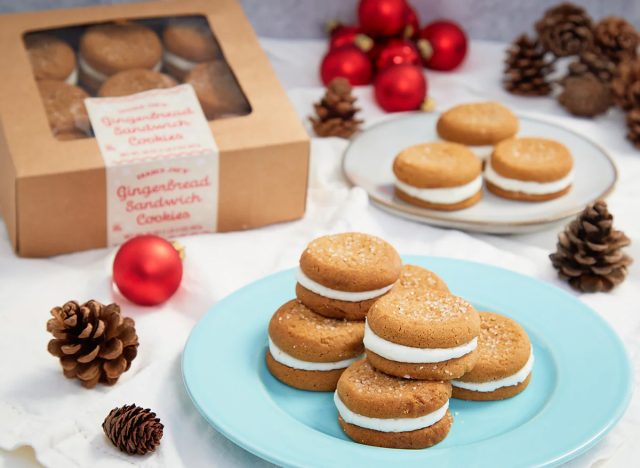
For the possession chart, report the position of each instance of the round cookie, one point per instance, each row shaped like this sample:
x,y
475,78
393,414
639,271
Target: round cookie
x,y
64,106
529,169
107,49
342,275
439,175
428,335
417,279
51,58
384,411
188,42
134,81
217,90
309,351
505,361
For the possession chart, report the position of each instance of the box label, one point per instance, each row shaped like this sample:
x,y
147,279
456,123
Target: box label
x,y
161,162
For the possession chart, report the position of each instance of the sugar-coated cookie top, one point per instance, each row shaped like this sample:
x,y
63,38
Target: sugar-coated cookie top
x,y
532,159
51,58
369,392
217,89
416,279
424,319
437,165
64,105
351,261
311,337
191,39
503,348
478,123
134,81
110,48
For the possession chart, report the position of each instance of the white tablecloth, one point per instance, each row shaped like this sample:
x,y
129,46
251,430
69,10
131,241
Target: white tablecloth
x,y
61,420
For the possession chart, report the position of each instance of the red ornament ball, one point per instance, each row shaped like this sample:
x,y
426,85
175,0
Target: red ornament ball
x,y
382,18
343,35
348,62
411,23
400,88
147,270
444,45
398,52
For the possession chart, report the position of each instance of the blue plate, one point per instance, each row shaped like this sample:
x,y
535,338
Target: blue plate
x,y
580,387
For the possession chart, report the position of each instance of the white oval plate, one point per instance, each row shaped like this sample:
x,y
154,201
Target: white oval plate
x,y
368,159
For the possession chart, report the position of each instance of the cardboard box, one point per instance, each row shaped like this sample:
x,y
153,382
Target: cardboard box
x,y
52,193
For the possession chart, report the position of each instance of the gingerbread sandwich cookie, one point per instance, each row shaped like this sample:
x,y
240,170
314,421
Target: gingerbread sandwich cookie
x,y
342,275
426,336
504,364
51,58
416,279
107,49
529,169
64,106
309,351
384,411
134,81
188,42
440,175
479,125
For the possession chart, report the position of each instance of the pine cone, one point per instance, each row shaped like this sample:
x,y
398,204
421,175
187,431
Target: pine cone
x,y
633,126
526,68
336,112
565,30
626,84
616,38
93,341
600,66
585,96
589,254
133,430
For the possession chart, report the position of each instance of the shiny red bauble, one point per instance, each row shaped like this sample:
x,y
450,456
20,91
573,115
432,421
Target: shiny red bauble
x,y
444,45
348,62
147,270
382,18
398,52
343,35
400,88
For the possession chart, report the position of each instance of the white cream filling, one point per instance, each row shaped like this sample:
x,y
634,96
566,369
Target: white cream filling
x,y
442,196
391,424
514,379
98,75
290,361
526,186
176,61
481,151
72,79
348,296
401,353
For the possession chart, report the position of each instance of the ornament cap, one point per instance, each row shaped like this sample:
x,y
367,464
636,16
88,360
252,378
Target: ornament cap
x,y
429,105
363,42
180,248
425,48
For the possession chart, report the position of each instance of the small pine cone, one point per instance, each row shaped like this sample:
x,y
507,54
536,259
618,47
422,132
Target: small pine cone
x,y
133,430
600,66
565,30
589,251
626,84
616,38
585,96
335,113
633,126
93,341
526,68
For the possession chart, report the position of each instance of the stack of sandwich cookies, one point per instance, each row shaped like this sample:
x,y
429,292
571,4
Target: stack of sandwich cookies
x,y
308,351
440,176
425,336
187,43
415,279
504,364
51,58
380,410
134,81
479,126
530,169
342,275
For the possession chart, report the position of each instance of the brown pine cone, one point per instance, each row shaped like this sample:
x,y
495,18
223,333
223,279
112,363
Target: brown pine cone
x,y
565,30
616,38
590,62
93,341
585,96
633,126
133,430
625,85
336,111
589,251
526,68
